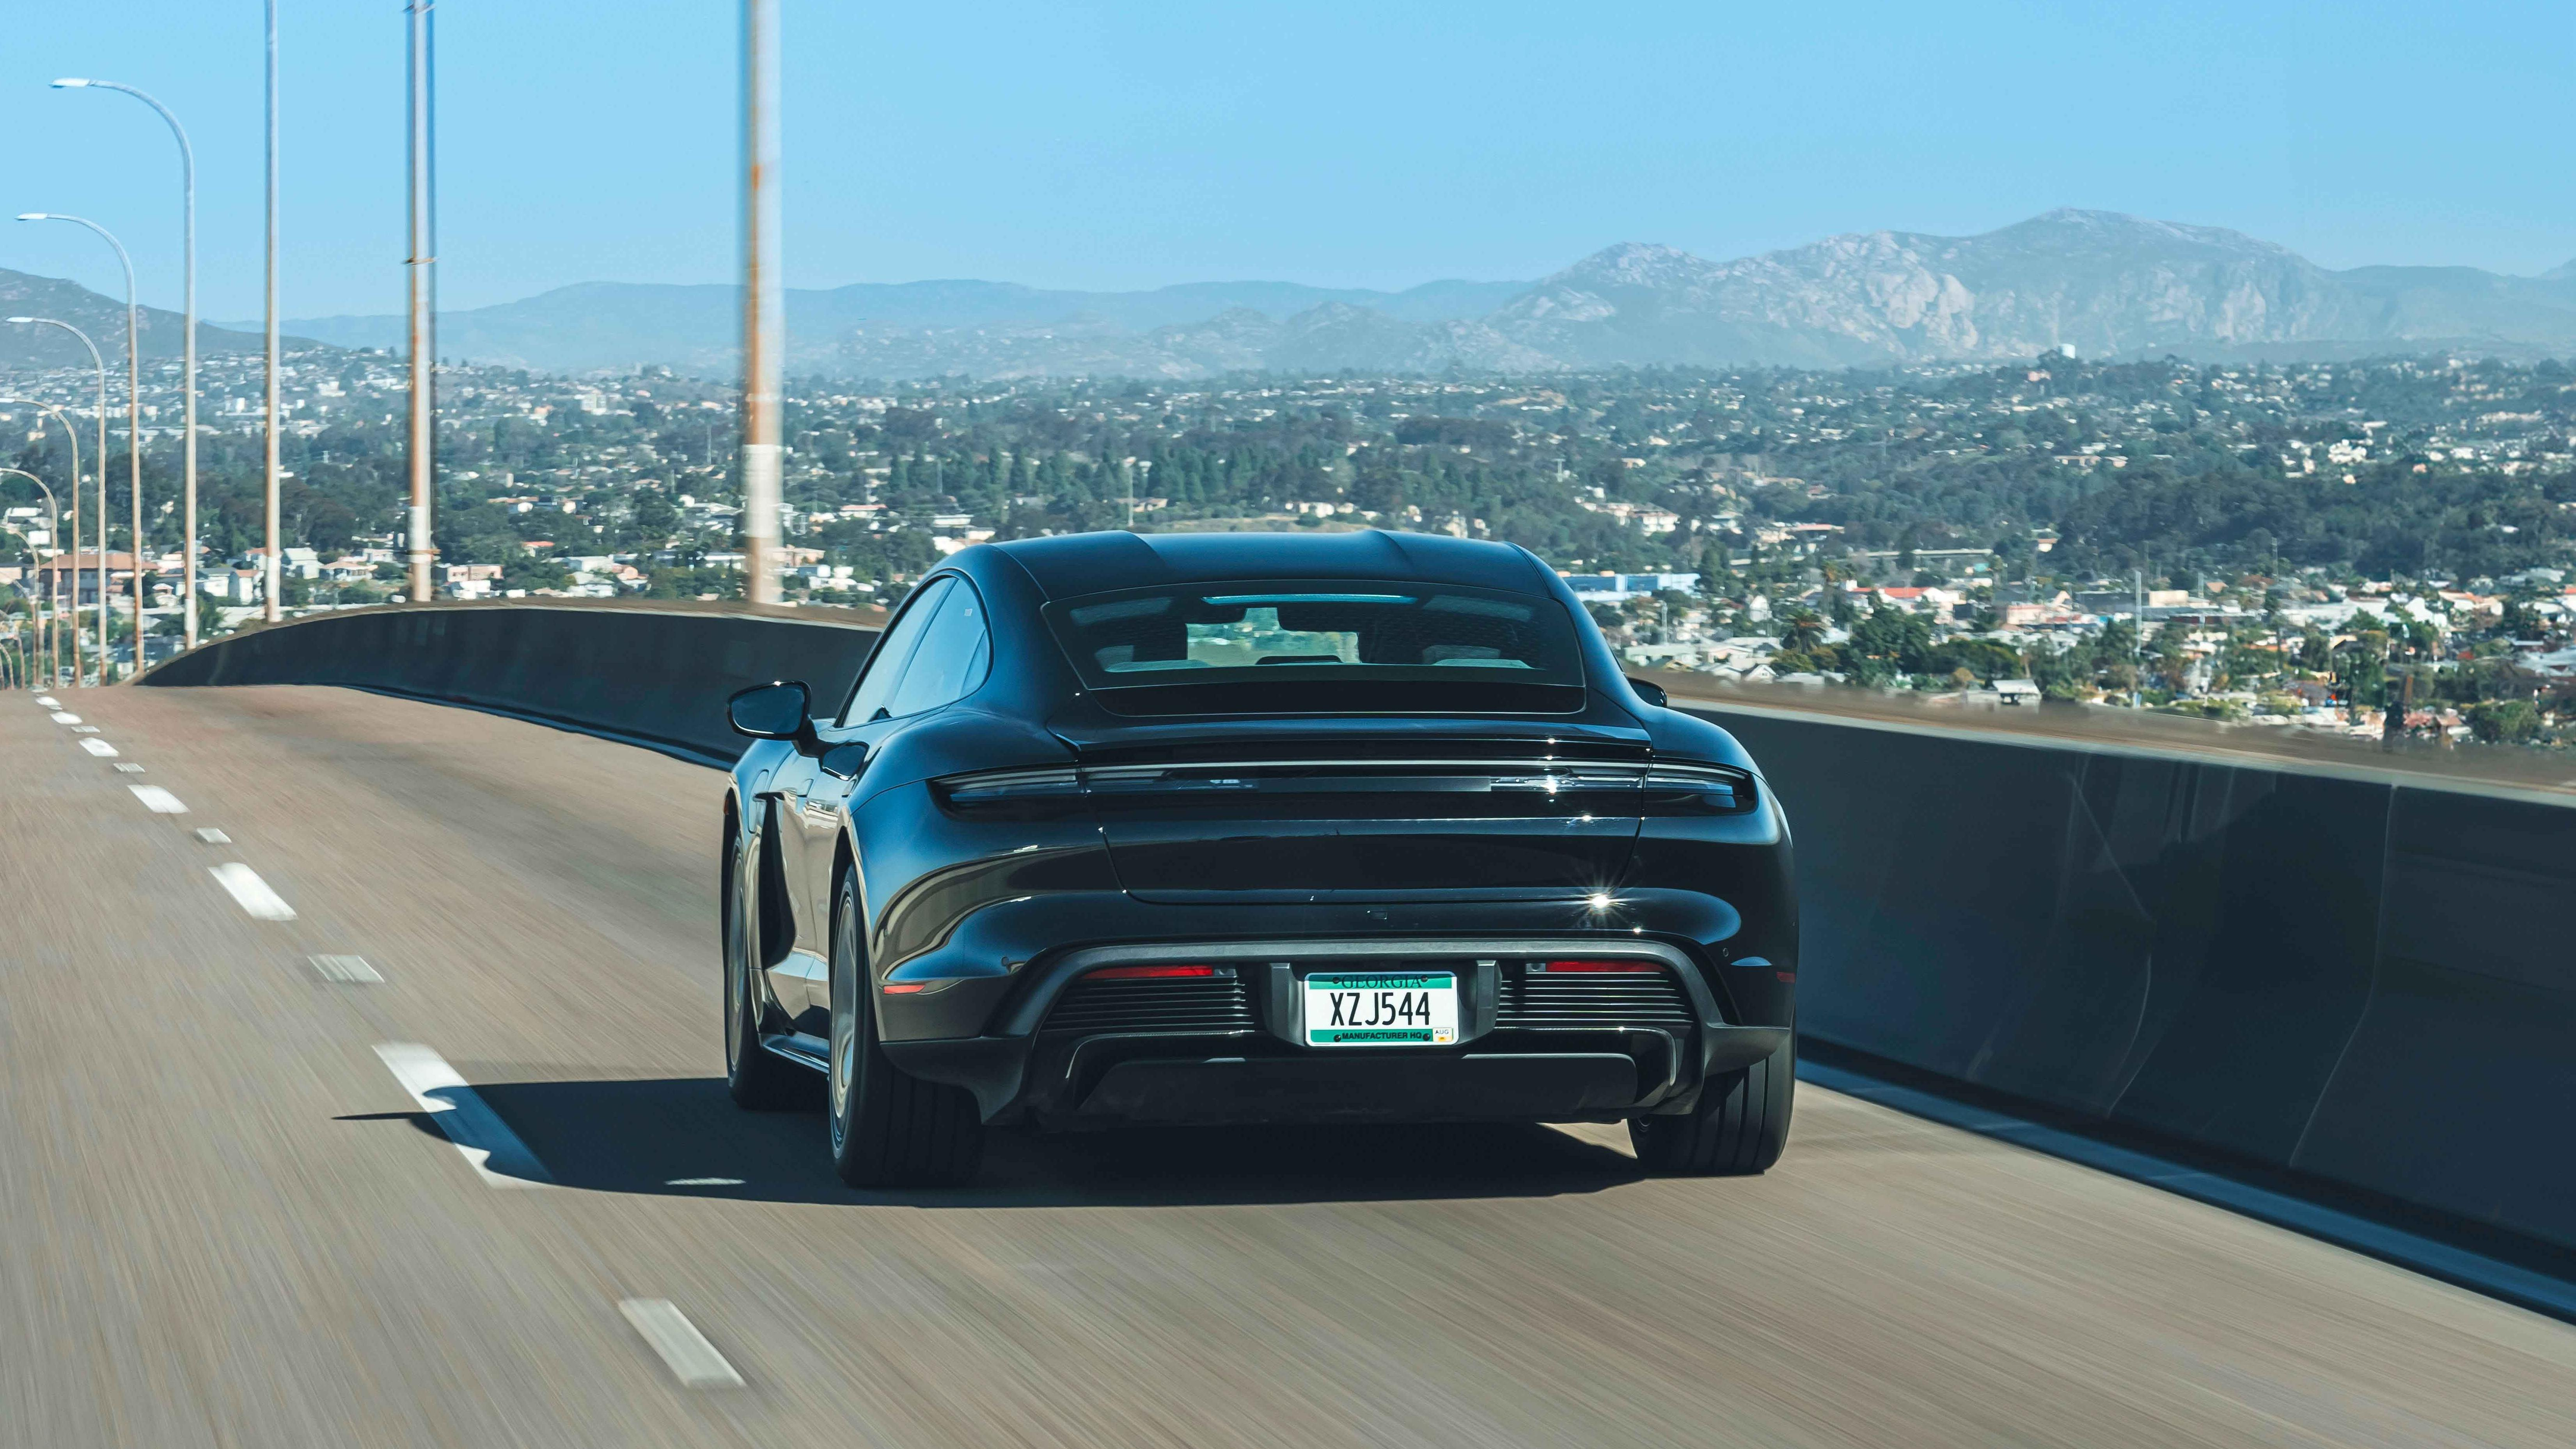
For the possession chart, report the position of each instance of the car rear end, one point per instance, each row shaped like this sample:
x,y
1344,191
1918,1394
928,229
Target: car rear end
x,y
1379,849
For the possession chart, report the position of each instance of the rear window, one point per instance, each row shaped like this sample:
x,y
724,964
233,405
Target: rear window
x,y
1336,647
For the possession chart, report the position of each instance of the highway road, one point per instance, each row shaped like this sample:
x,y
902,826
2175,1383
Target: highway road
x,y
226,1217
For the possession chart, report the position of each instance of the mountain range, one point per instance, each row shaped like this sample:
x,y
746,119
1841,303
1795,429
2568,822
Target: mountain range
x,y
2106,284
156,331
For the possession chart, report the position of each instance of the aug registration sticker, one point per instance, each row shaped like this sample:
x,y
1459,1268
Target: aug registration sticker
x,y
1376,1008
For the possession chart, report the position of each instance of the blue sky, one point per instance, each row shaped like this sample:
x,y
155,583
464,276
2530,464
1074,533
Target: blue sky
x,y
1357,144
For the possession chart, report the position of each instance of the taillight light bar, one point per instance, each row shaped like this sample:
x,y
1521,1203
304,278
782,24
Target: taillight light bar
x,y
1609,967
1153,973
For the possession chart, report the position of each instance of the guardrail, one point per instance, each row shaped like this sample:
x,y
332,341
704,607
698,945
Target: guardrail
x,y
2329,963
650,674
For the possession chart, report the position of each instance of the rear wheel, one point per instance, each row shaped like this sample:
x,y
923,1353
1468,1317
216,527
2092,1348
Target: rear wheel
x,y
1739,1127
888,1129
755,1078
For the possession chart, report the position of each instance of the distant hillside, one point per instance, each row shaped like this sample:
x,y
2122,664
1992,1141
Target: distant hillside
x,y
103,318
2103,283
694,328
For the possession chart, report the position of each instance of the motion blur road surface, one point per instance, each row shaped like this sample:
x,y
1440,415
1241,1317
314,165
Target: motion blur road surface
x,y
225,1220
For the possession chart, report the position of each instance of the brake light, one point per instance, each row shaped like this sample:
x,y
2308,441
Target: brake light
x,y
1624,968
1147,973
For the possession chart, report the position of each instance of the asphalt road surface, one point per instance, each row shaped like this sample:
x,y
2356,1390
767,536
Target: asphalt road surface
x,y
227,1218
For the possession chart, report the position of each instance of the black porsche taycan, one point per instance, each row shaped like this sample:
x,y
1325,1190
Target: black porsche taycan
x,y
1228,828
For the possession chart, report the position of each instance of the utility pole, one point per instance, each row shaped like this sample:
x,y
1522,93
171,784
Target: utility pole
x,y
764,303
424,355
268,365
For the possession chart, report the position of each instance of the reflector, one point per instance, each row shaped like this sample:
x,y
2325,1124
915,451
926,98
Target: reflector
x,y
1146,973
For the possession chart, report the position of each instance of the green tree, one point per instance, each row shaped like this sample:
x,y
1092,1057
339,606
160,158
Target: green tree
x,y
2504,721
656,517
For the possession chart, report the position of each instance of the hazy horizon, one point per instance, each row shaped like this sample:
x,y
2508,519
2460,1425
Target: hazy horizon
x,y
1130,147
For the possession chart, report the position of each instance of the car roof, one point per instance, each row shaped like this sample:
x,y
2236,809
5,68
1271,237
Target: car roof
x,y
1071,565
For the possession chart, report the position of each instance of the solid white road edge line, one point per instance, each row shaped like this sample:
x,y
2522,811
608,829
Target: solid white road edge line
x,y
100,748
685,1351
158,800
478,1132
251,892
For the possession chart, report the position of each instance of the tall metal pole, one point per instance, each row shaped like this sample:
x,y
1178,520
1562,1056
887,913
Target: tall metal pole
x,y
133,443
101,364
764,303
424,421
73,596
72,435
49,632
268,364
188,447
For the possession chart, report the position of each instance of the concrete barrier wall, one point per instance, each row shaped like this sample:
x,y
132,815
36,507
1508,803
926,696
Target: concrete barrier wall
x,y
658,679
2367,981
2363,979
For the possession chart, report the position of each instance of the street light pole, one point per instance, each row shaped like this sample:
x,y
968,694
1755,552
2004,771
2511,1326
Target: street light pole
x,y
764,303
49,632
424,419
268,364
188,448
72,436
99,363
133,443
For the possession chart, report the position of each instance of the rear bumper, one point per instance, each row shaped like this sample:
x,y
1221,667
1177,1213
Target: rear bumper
x,y
1253,1066
1524,1077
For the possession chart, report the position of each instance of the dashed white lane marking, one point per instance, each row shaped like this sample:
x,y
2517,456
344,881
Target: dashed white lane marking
x,y
212,836
487,1142
252,892
158,800
64,716
351,969
47,701
685,1351
129,769
84,729
100,748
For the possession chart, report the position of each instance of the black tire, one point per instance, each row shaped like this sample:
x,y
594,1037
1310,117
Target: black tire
x,y
757,1080
888,1129
1739,1127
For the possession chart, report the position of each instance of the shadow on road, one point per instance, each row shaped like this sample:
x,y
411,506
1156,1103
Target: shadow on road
x,y
683,1137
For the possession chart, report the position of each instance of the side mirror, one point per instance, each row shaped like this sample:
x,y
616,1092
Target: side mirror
x,y
779,711
1649,691
843,762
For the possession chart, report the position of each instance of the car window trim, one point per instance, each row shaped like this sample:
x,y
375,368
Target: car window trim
x,y
915,600
984,642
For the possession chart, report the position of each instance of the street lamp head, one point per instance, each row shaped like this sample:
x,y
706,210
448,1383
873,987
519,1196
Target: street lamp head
x,y
70,83
22,319
35,216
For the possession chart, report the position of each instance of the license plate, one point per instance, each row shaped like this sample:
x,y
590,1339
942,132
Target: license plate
x,y
1381,1009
